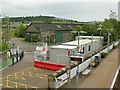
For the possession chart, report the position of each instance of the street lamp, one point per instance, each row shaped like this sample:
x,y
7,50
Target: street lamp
x,y
78,49
91,50
100,29
108,39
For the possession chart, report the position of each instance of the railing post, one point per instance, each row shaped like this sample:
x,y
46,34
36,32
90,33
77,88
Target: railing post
x,y
17,55
12,60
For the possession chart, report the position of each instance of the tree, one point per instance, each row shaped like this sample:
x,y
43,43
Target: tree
x,y
47,22
78,28
5,34
5,46
110,24
20,32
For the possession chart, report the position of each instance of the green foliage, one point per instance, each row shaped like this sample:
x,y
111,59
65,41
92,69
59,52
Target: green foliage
x,y
78,28
47,22
103,54
5,30
110,24
5,46
35,38
20,32
51,40
114,46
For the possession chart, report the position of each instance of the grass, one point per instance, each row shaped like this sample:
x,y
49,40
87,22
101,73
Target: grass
x,y
17,23
14,36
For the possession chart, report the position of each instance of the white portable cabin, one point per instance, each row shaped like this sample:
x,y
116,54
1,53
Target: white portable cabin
x,y
59,54
90,38
85,47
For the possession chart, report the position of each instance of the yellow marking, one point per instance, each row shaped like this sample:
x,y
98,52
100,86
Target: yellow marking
x,y
22,84
26,87
15,75
35,69
6,86
39,76
16,85
23,72
7,81
30,73
23,78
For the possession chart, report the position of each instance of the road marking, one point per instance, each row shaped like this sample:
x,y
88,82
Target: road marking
x,y
16,85
30,73
15,75
7,80
108,74
23,72
5,86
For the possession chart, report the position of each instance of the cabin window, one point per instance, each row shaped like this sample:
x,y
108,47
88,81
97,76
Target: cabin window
x,y
89,48
82,50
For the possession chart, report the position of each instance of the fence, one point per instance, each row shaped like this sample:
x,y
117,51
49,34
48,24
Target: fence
x,y
14,58
62,75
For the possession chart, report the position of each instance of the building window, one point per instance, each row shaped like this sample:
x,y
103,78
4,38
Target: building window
x,y
47,38
89,48
52,37
44,39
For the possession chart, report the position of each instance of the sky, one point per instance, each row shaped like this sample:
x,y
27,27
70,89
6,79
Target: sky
x,y
81,10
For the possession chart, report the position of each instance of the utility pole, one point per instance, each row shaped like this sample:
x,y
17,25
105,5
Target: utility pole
x,y
91,50
100,40
108,40
69,69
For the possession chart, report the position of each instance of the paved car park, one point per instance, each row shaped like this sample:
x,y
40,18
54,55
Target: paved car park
x,y
28,78
24,75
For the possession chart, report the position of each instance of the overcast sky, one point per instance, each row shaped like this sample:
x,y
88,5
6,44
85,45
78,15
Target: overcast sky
x,y
82,10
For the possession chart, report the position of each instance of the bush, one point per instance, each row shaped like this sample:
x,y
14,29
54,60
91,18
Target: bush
x,y
114,46
5,46
35,38
20,32
103,55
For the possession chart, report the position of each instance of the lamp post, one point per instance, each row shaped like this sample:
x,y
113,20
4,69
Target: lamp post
x,y
108,40
100,29
77,71
91,50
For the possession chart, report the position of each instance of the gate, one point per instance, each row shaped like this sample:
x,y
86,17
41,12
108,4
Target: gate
x,y
59,37
28,36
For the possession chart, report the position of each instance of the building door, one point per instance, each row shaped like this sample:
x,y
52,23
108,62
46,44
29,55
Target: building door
x,y
59,37
28,36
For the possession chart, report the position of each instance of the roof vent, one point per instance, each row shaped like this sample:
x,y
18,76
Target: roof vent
x,y
58,26
70,26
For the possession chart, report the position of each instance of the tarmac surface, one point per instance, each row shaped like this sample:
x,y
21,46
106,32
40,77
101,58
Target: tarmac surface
x,y
24,75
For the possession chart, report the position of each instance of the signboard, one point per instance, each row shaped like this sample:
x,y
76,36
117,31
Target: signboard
x,y
41,52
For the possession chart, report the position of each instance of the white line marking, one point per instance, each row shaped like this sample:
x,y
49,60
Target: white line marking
x,y
113,82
